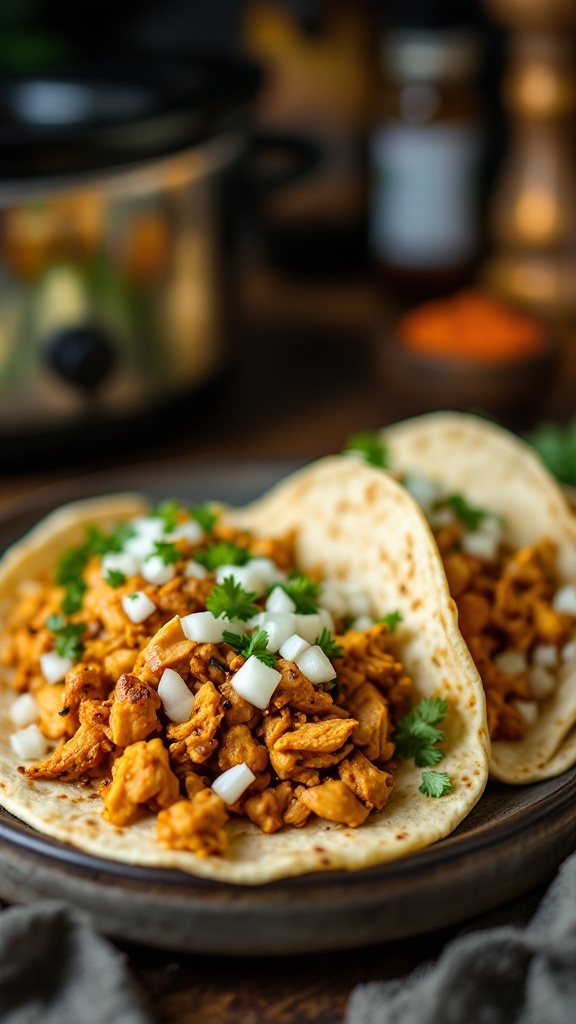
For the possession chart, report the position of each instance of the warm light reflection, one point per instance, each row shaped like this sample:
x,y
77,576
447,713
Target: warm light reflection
x,y
536,215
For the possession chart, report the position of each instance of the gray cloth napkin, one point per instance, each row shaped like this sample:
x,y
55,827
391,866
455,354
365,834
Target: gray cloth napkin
x,y
55,969
504,975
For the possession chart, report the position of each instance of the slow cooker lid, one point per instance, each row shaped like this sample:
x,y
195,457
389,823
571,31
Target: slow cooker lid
x,y
106,116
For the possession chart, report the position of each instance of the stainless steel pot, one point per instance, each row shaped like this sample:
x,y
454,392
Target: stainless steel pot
x,y
116,190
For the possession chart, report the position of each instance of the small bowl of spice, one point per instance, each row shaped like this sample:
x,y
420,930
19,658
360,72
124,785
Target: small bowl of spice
x,y
469,351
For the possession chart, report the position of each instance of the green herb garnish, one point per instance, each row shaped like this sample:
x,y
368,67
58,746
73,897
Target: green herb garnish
x,y
114,578
166,551
435,784
469,516
167,511
556,446
232,601
328,644
204,517
417,733
390,621
66,636
73,597
370,445
222,553
72,562
303,591
252,645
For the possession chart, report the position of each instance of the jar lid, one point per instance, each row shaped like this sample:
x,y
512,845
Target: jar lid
x,y
431,55
119,113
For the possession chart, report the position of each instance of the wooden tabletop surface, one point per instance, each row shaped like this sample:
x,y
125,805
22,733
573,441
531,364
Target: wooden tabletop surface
x,y
296,392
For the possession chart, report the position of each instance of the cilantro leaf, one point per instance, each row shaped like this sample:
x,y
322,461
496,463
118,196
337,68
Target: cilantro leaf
x,y
435,784
556,446
204,517
166,551
70,565
417,733
328,644
370,445
167,511
66,636
391,621
303,592
73,597
469,516
231,600
114,578
223,552
252,645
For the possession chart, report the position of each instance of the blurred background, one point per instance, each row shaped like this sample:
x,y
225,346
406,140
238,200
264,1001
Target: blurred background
x,y
257,226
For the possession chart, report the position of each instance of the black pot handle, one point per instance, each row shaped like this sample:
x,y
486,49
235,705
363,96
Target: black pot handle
x,y
296,156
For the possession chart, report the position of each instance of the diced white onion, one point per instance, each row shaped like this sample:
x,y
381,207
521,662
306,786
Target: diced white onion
x,y
542,682
190,531
442,517
326,619
54,667
148,526
424,491
24,711
256,682
514,663
268,571
480,545
545,655
362,623
138,606
29,744
280,601
232,784
308,626
236,626
156,571
140,547
334,598
293,647
493,527
279,626
314,664
193,570
175,696
119,561
204,627
564,600
249,578
528,709
568,652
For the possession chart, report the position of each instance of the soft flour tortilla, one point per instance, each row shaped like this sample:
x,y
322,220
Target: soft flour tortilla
x,y
496,471
352,522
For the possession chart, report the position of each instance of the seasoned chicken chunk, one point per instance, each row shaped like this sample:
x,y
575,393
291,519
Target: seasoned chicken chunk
x,y
367,782
370,710
238,745
321,737
83,682
168,648
334,801
83,754
133,713
53,723
141,778
264,809
196,825
196,738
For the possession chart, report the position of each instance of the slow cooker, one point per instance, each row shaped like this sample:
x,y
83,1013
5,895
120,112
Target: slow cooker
x,y
117,194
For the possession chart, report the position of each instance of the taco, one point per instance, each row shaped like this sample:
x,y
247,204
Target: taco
x,y
507,537
241,694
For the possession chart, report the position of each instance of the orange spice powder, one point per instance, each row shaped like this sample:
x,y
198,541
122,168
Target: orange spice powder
x,y
471,325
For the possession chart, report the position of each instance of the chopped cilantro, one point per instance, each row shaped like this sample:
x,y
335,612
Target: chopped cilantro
x,y
73,596
166,551
391,621
167,511
370,445
556,446
72,562
222,553
252,645
328,644
66,636
469,516
114,578
417,733
70,565
231,600
133,597
204,517
435,784
303,592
